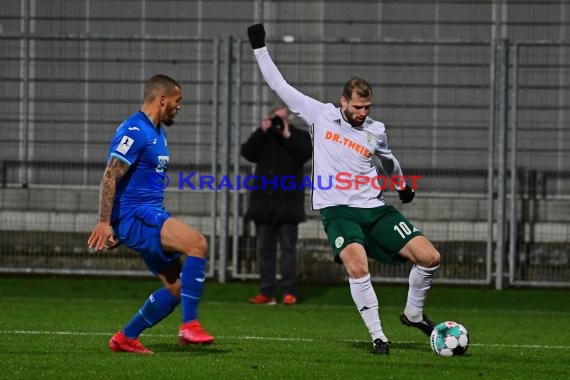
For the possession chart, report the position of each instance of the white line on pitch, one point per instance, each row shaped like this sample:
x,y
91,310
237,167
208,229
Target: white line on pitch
x,y
269,338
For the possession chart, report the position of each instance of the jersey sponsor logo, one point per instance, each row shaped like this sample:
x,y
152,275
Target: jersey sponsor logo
x,y
335,137
162,165
125,144
134,129
339,241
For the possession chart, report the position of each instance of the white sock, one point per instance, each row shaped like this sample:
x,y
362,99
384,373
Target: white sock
x,y
420,281
367,304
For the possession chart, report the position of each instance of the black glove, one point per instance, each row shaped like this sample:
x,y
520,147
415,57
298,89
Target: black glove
x,y
256,35
407,194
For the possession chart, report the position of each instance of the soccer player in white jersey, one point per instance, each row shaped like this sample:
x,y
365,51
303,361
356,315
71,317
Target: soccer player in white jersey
x,y
348,144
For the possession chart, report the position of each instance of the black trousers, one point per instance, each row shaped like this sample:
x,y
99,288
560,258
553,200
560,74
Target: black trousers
x,y
268,236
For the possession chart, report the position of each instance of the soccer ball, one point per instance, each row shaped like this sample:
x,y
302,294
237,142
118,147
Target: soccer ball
x,y
449,338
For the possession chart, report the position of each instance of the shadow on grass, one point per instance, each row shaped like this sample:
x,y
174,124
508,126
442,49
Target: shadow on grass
x,y
200,350
367,346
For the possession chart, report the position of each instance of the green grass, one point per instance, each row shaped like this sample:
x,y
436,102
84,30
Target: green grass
x,y
59,328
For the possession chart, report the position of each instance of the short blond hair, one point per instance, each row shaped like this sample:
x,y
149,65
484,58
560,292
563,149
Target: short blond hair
x,y
358,85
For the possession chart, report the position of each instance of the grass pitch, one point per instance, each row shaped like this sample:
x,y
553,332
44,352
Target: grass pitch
x,y
59,328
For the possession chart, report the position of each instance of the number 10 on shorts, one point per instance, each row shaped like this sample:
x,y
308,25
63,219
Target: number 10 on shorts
x,y
403,229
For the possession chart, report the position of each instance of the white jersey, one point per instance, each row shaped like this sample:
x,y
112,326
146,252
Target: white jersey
x,y
346,159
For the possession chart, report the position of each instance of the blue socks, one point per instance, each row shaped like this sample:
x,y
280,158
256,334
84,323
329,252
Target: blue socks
x,y
192,281
158,306
161,303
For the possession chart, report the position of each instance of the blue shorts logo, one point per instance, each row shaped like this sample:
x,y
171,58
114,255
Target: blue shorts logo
x,y
158,181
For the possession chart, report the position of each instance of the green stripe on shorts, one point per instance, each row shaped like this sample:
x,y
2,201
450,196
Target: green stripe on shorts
x,y
382,231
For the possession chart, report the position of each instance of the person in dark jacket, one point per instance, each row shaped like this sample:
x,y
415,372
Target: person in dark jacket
x,y
279,150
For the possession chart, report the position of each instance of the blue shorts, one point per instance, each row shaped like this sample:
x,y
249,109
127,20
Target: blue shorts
x,y
140,231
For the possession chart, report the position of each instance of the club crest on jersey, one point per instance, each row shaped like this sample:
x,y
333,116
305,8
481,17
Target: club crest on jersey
x,y
339,241
125,144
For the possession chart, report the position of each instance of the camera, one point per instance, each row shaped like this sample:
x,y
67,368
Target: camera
x,y
277,123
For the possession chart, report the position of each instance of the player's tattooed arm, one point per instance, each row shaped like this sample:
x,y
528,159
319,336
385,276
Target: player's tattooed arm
x,y
115,170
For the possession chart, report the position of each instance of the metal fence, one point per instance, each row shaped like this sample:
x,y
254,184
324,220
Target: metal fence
x,y
539,216
72,92
482,122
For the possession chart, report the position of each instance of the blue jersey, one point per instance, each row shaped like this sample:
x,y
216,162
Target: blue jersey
x,y
142,146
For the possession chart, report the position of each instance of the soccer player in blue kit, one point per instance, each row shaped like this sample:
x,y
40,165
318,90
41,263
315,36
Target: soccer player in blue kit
x,y
131,213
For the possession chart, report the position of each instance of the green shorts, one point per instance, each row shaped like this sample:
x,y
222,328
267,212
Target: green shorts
x,y
382,231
